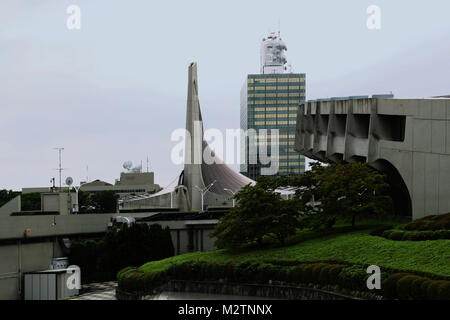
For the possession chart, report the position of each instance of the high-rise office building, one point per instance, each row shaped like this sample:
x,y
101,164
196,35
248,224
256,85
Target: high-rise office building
x,y
270,100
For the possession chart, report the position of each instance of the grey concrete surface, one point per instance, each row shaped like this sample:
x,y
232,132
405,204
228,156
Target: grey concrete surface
x,y
408,139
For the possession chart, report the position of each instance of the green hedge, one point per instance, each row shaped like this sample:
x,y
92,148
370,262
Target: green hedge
x,y
412,287
345,276
402,235
433,222
100,260
324,273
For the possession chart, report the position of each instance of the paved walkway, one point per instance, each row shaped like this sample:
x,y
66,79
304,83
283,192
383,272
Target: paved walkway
x,y
98,291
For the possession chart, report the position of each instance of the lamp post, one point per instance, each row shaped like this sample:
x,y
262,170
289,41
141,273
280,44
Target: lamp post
x,y
77,189
233,193
204,191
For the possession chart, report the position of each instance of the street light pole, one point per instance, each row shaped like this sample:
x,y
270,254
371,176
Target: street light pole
x,y
204,191
77,189
233,193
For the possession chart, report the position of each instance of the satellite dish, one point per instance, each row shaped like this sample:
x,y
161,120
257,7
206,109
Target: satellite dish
x,y
69,181
127,165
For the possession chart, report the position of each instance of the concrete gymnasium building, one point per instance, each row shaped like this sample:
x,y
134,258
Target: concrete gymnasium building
x,y
408,139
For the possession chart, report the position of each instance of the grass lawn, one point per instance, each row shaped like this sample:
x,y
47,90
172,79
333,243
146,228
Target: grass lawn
x,y
355,247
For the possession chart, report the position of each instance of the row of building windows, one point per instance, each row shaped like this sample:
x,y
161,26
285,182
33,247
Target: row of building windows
x,y
262,87
286,171
292,157
261,92
275,80
268,123
281,130
278,75
265,109
271,110
275,94
280,143
268,140
291,163
259,102
288,151
275,115
293,100
281,151
270,127
272,116
281,136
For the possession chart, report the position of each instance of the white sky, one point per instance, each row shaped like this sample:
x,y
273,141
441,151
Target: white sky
x,y
116,89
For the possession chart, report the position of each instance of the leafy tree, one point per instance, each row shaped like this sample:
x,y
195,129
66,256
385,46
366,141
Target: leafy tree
x,y
347,190
31,201
132,245
260,212
105,201
136,244
98,202
7,195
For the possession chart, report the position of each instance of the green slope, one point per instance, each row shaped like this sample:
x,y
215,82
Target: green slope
x,y
359,247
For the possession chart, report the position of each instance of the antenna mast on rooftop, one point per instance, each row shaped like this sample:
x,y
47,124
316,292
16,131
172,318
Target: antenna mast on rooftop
x,y
60,168
279,28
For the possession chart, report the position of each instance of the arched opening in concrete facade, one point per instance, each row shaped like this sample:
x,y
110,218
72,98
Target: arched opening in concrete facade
x,y
401,198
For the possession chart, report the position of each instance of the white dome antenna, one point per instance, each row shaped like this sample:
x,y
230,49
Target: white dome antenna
x,y
127,165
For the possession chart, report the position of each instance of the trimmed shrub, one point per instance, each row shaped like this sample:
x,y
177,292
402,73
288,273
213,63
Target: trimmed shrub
x,y
316,270
396,235
296,274
100,260
325,275
416,235
396,286
389,286
433,222
444,292
416,289
308,273
333,273
412,287
266,272
354,277
405,287
443,234
378,231
433,289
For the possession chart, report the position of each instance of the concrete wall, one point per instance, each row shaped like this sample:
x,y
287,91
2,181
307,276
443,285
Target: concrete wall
x,y
45,226
14,205
19,254
190,235
409,139
36,252
19,258
176,199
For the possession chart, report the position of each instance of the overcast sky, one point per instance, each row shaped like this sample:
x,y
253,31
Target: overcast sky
x,y
116,89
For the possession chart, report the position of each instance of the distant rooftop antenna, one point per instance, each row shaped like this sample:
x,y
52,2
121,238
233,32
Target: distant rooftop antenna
x,y
147,164
60,168
52,181
127,165
279,28
69,181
